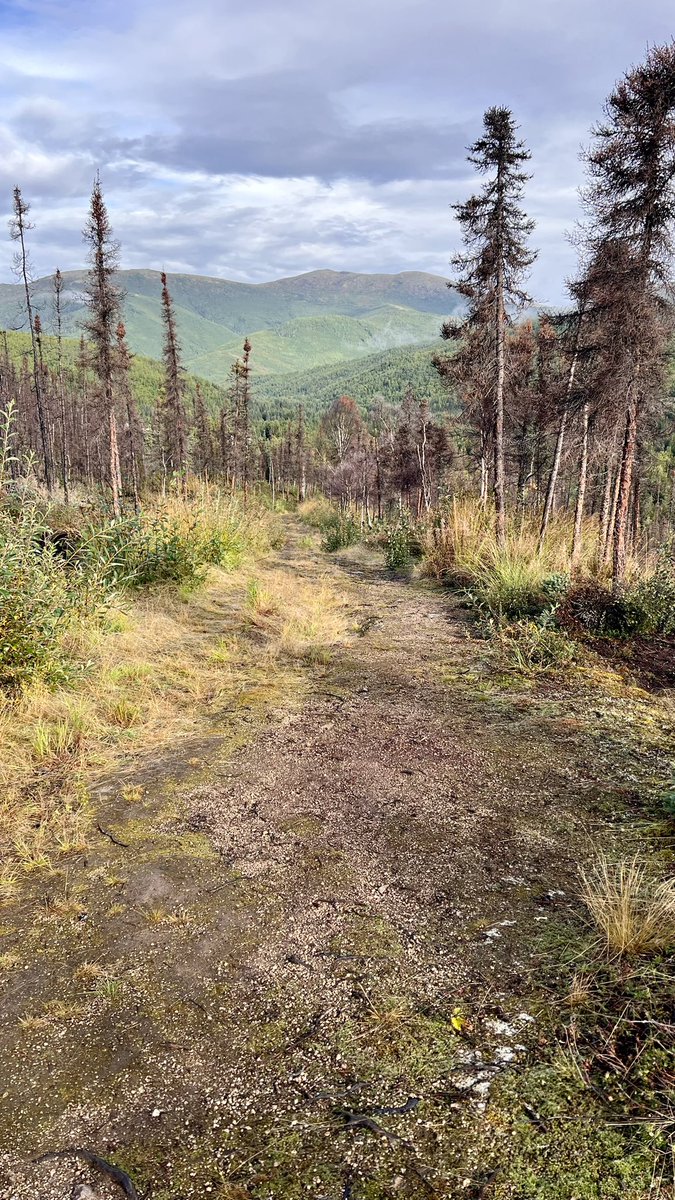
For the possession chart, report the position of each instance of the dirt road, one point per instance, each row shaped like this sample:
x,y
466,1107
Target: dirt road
x,y
313,958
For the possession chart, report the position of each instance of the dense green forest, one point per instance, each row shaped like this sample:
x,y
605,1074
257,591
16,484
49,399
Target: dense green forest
x,y
387,375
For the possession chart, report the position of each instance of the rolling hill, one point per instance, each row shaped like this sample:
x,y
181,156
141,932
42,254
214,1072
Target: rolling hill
x,y
295,324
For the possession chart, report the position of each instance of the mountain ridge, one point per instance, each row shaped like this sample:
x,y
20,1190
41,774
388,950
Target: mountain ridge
x,y
377,311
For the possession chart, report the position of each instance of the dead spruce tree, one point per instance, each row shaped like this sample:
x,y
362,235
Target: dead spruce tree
x,y
19,226
175,417
630,204
243,417
133,429
203,449
496,257
60,387
104,301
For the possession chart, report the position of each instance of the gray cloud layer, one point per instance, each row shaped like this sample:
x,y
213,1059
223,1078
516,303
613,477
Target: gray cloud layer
x,y
275,139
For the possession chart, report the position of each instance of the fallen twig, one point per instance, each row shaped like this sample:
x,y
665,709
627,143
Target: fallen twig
x,y
115,1173
115,841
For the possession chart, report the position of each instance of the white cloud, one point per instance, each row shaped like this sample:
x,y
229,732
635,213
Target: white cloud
x,y
259,140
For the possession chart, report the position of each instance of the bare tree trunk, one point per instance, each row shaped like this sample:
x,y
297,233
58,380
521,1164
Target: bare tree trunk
x,y
18,227
114,460
484,476
581,490
612,518
605,511
553,478
624,491
500,511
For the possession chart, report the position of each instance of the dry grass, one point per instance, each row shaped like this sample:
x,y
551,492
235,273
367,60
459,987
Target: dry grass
x,y
316,512
89,973
299,616
634,911
163,666
462,546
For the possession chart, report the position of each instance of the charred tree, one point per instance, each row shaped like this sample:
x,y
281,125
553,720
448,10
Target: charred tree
x,y
175,417
19,226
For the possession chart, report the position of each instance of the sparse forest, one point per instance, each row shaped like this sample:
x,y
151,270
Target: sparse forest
x,y
337,712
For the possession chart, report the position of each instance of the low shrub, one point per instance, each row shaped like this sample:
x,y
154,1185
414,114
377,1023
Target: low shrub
x,y
645,609
54,580
530,648
39,601
399,545
590,608
340,531
650,606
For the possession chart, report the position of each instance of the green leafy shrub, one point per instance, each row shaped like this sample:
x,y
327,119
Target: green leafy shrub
x,y
131,552
646,609
554,587
39,601
650,607
54,579
136,552
340,531
398,551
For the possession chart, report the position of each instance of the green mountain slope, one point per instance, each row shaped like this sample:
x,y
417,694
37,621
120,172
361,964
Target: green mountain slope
x,y
387,375
306,342
294,324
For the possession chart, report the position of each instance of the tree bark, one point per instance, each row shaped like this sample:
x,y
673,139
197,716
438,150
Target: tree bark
x,y
624,492
581,490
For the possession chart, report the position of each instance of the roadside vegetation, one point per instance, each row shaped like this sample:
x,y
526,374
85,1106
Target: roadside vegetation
x,y
119,636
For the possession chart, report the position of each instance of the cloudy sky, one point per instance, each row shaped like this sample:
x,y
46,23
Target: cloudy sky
x,y
261,139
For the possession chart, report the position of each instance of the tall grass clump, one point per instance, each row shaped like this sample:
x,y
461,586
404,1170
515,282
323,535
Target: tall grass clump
x,y
634,912
515,580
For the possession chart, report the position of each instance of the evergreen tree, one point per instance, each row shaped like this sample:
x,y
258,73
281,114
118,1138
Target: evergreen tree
x,y
175,417
495,231
133,428
630,203
104,301
60,387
